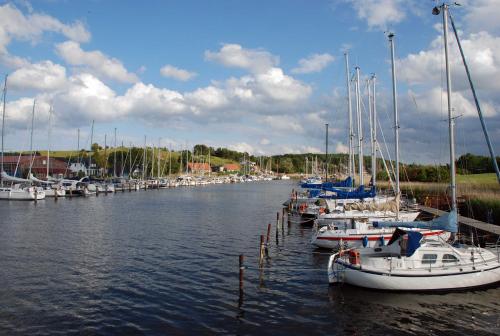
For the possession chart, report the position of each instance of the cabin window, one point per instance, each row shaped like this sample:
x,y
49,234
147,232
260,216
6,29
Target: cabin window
x,y
449,258
429,259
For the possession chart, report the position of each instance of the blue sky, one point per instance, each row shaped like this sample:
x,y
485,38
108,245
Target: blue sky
x,y
259,76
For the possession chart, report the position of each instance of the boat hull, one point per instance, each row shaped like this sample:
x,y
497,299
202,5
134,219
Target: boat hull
x,y
468,278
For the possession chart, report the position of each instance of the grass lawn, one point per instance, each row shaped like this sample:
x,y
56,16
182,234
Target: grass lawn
x,y
478,178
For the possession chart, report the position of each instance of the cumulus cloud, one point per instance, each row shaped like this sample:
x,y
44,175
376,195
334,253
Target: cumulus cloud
x,y
242,147
15,25
379,14
283,123
43,76
264,141
176,73
234,55
482,15
95,62
313,63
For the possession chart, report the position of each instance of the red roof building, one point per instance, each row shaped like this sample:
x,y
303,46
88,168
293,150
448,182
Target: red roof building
x,y
198,167
38,167
232,167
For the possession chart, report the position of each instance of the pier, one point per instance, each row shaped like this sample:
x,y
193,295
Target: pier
x,y
465,220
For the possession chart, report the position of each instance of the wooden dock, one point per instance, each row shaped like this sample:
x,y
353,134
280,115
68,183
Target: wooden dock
x,y
465,220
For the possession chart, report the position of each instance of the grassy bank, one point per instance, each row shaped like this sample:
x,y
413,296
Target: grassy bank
x,y
479,195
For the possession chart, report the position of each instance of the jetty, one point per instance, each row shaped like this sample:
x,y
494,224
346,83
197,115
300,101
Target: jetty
x,y
465,220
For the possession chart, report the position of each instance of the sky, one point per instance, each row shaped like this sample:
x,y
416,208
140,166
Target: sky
x,y
257,76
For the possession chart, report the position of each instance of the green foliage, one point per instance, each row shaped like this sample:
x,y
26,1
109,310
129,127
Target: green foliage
x,y
475,164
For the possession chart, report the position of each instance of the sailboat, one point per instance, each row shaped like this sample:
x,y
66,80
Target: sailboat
x,y
19,189
411,262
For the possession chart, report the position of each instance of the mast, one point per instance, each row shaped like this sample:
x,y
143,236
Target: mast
x,y
451,118
3,123
130,162
90,155
144,161
31,137
374,130
326,151
210,168
360,130
349,115
105,155
396,121
48,144
158,167
170,161
114,157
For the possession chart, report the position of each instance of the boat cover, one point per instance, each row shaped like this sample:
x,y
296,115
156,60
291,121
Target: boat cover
x,y
446,222
359,193
347,183
34,179
7,177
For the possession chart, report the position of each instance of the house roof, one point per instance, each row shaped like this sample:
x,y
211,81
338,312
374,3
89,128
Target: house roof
x,y
198,166
232,166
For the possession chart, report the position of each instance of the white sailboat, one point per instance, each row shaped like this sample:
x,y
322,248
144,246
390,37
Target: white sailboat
x,y
411,262
19,189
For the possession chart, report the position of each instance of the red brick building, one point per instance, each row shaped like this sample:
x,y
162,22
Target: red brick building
x,y
38,168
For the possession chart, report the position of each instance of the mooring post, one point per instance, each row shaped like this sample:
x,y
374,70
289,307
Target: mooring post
x,y
268,238
242,269
36,194
55,195
283,216
277,235
261,250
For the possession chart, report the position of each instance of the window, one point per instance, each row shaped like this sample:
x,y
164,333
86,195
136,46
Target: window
x,y
429,259
449,258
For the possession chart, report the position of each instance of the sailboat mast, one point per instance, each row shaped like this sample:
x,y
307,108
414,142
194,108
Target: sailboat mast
x,y
144,161
48,144
114,157
370,118
31,137
3,122
349,115
451,118
396,120
360,130
326,152
374,130
159,157
90,155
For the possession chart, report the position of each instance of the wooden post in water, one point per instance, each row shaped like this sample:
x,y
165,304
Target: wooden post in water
x,y
55,195
267,239
242,269
36,195
261,250
277,235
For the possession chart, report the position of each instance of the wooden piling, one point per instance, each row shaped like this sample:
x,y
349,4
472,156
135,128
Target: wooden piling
x,y
268,238
261,250
36,195
242,269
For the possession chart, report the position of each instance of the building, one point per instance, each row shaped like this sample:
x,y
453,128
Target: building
x,y
199,168
232,167
19,166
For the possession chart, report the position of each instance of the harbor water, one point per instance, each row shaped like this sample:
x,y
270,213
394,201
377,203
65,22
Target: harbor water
x,y
166,262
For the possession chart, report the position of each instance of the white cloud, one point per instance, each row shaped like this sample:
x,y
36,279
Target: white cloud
x,y
314,63
43,76
264,141
379,14
95,62
242,147
482,15
283,123
176,73
341,148
15,25
234,55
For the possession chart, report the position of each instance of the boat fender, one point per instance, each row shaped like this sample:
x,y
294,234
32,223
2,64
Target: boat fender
x,y
354,257
365,241
381,241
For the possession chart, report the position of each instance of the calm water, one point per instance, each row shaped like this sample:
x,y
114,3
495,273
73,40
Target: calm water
x,y
166,262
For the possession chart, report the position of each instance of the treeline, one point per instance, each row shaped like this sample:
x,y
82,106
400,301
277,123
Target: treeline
x,y
475,164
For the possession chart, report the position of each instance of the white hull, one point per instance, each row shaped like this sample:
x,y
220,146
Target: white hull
x,y
25,194
467,278
54,192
